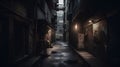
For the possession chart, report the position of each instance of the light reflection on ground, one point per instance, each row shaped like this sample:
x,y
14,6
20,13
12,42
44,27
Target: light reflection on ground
x,y
61,56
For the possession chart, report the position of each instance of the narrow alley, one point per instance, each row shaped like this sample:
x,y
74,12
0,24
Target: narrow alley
x,y
59,33
62,56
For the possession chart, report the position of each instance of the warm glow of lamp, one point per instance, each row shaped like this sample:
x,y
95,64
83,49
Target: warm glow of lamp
x,y
90,21
49,31
48,35
76,26
95,27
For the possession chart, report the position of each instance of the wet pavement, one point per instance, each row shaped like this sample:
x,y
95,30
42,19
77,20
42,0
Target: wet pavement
x,y
61,56
93,61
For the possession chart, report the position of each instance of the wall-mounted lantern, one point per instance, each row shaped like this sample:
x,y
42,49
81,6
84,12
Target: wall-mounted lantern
x,y
76,27
90,22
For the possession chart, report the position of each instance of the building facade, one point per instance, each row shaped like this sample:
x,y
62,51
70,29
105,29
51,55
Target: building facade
x,y
91,19
19,23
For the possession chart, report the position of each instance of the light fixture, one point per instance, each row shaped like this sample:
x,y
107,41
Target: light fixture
x,y
90,21
76,27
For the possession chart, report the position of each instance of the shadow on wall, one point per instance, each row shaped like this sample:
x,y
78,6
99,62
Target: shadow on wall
x,y
96,38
